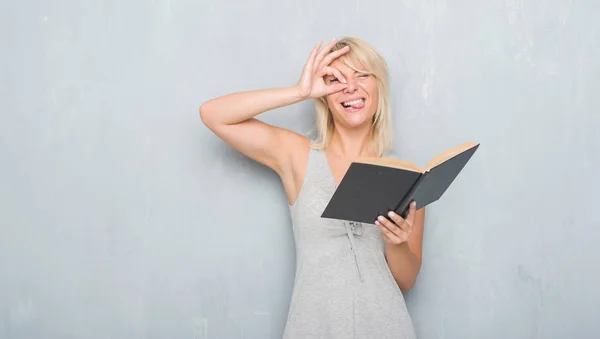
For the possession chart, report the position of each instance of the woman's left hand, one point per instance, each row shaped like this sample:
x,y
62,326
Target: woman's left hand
x,y
400,229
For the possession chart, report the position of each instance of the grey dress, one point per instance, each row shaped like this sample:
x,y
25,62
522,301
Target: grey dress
x,y
343,286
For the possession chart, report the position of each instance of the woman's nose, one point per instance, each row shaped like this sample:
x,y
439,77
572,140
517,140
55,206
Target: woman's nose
x,y
351,85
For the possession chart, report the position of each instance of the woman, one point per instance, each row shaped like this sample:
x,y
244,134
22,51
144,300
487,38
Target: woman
x,y
349,277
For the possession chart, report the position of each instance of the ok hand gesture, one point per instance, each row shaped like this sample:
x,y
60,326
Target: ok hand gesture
x,y
311,83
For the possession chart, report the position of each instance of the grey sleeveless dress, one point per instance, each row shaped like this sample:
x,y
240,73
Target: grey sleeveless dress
x,y
343,286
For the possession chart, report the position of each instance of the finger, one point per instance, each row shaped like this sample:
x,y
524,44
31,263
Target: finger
x,y
394,238
335,88
400,222
325,50
335,72
406,227
334,55
322,53
410,218
338,75
310,62
389,225
395,217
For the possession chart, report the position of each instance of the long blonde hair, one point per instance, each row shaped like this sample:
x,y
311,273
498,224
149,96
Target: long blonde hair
x,y
360,53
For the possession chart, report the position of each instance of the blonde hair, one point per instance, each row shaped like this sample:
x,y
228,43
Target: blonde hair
x,y
363,54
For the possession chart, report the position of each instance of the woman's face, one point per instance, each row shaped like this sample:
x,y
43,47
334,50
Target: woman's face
x,y
355,105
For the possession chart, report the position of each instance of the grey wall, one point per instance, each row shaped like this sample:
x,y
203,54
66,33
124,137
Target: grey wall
x,y
121,216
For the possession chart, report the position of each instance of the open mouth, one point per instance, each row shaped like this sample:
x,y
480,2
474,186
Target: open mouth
x,y
356,104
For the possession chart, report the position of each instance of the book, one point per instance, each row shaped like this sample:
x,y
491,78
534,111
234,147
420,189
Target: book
x,y
373,186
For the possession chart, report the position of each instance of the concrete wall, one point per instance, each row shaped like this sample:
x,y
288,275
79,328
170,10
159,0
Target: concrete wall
x,y
122,216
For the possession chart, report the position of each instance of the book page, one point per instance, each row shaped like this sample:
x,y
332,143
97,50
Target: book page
x,y
390,162
440,158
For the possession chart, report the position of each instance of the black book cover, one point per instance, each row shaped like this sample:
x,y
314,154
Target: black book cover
x,y
368,190
434,183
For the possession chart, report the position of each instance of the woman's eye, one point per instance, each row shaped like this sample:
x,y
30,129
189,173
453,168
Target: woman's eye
x,y
363,75
333,80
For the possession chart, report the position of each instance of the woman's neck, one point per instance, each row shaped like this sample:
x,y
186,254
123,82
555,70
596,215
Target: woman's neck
x,y
349,143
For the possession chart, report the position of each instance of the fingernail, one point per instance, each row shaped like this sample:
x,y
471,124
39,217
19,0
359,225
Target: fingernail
x,y
391,213
344,80
377,223
380,218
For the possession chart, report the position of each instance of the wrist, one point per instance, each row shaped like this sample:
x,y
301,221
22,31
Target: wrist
x,y
298,93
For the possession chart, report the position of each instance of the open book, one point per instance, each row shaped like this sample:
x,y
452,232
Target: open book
x,y
373,186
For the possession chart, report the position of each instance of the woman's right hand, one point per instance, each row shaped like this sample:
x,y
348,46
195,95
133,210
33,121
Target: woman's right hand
x,y
312,83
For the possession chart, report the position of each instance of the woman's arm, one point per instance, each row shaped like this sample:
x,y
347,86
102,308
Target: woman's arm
x,y
232,117
403,246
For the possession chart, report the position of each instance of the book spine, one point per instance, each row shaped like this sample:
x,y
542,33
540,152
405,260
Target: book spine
x,y
402,207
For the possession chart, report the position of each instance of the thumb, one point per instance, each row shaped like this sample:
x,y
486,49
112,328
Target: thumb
x,y
411,212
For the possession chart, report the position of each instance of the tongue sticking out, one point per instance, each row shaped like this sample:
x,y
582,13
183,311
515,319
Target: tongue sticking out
x,y
358,105
354,105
